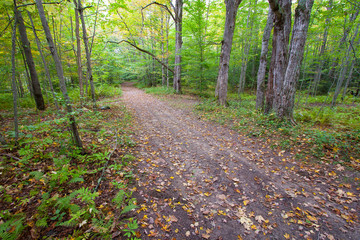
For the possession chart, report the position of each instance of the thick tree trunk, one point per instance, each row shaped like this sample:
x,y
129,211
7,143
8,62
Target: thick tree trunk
x,y
270,95
282,26
260,92
299,34
87,51
36,89
13,82
60,74
222,80
178,45
47,72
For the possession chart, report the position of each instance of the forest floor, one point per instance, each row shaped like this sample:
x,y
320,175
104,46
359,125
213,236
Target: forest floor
x,y
196,179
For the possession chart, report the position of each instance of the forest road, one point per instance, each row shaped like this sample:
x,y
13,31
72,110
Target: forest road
x,y
199,180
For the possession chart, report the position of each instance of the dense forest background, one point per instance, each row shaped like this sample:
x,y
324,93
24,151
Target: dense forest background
x,y
118,29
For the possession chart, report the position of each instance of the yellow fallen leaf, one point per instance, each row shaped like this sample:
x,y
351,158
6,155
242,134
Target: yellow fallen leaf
x,y
311,218
287,236
246,202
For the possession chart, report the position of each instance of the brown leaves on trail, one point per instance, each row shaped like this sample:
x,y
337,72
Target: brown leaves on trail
x,y
197,180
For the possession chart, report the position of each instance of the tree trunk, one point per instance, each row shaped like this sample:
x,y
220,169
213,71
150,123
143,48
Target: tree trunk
x,y
342,42
39,100
47,72
344,69
78,56
87,51
260,92
223,74
60,74
178,45
246,49
282,26
13,74
298,39
167,50
163,76
322,51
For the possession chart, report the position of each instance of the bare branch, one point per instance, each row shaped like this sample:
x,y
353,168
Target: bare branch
x,y
30,4
161,5
3,31
144,51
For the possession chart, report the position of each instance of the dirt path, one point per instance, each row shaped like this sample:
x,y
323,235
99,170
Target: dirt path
x,y
198,180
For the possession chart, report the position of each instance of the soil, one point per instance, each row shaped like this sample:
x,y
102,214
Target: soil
x,y
196,179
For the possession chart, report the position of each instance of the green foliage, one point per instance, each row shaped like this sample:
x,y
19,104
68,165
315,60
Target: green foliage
x,y
159,90
12,227
329,132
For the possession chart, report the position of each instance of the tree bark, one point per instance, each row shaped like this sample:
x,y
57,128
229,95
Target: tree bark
x,y
299,34
282,26
223,74
178,44
246,48
87,51
13,82
47,72
322,51
78,56
60,74
260,92
39,100
344,69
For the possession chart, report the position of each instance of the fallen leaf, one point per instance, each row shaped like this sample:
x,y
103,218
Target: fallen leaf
x,y
172,218
259,219
206,236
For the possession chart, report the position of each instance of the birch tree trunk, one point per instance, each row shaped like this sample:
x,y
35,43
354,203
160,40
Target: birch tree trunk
x,y
60,74
260,92
178,44
87,51
36,89
223,74
299,34
47,72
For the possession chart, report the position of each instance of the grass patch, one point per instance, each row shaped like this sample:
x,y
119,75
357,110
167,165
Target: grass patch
x,y
331,134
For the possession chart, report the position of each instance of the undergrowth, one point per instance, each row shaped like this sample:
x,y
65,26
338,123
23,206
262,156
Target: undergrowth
x,y
329,135
49,189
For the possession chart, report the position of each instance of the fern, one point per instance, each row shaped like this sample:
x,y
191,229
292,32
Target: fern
x,y
128,208
119,198
15,224
37,175
76,179
42,222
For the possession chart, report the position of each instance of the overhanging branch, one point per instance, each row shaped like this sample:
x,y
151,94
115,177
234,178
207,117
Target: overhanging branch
x,y
30,4
161,5
144,51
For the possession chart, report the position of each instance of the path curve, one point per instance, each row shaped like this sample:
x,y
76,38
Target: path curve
x,y
199,180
